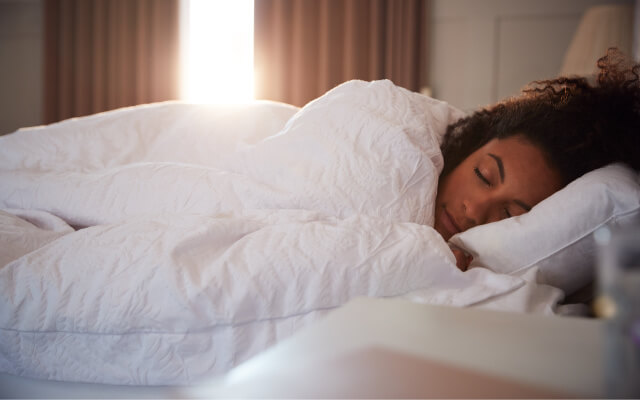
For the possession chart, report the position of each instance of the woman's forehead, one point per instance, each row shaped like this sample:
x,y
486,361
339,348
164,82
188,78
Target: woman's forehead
x,y
522,165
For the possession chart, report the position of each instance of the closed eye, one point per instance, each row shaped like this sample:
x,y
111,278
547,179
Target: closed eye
x,y
482,178
507,213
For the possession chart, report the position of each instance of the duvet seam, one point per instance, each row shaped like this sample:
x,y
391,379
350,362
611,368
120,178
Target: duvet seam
x,y
203,330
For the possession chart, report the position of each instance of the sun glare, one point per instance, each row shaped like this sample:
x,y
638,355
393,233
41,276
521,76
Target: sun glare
x,y
218,61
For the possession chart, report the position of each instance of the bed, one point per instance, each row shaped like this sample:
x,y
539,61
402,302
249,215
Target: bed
x,y
163,244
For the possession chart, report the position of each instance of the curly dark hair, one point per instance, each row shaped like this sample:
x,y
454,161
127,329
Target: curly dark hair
x,y
579,126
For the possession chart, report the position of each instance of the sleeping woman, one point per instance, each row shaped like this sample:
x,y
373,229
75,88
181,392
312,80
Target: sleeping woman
x,y
503,160
363,149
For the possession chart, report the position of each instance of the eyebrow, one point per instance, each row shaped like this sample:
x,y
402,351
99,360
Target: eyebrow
x,y
500,165
523,205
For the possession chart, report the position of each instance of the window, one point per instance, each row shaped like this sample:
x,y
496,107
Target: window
x,y
217,60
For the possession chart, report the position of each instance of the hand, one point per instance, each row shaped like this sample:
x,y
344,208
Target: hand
x,y
462,258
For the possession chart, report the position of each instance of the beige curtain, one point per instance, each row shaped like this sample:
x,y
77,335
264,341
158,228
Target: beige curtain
x,y
305,47
105,54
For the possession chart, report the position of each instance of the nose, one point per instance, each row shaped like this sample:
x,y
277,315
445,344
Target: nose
x,y
475,212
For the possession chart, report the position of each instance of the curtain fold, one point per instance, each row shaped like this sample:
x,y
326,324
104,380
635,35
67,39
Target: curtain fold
x,y
106,54
305,47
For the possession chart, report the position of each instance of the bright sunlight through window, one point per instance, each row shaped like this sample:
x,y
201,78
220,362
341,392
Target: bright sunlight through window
x,y
218,56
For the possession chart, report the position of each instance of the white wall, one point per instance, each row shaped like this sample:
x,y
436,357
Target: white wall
x,y
20,64
484,50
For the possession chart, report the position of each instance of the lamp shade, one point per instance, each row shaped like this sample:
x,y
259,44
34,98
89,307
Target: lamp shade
x,y
600,28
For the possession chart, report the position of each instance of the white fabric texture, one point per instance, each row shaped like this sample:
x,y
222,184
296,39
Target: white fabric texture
x,y
170,131
556,237
203,243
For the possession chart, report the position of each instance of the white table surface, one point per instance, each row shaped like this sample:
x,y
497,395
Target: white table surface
x,y
548,353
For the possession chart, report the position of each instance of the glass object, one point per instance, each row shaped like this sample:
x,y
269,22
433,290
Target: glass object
x,y
618,301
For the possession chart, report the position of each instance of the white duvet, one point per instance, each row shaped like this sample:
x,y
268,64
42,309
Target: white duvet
x,y
166,243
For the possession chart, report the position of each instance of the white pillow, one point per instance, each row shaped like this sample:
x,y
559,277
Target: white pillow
x,y
556,235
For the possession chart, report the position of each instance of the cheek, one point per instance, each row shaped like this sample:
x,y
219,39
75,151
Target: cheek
x,y
442,190
496,214
453,186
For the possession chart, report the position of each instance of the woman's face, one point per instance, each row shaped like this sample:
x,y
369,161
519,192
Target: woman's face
x,y
503,178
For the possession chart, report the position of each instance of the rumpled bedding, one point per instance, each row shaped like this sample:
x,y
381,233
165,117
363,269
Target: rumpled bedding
x,y
166,243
